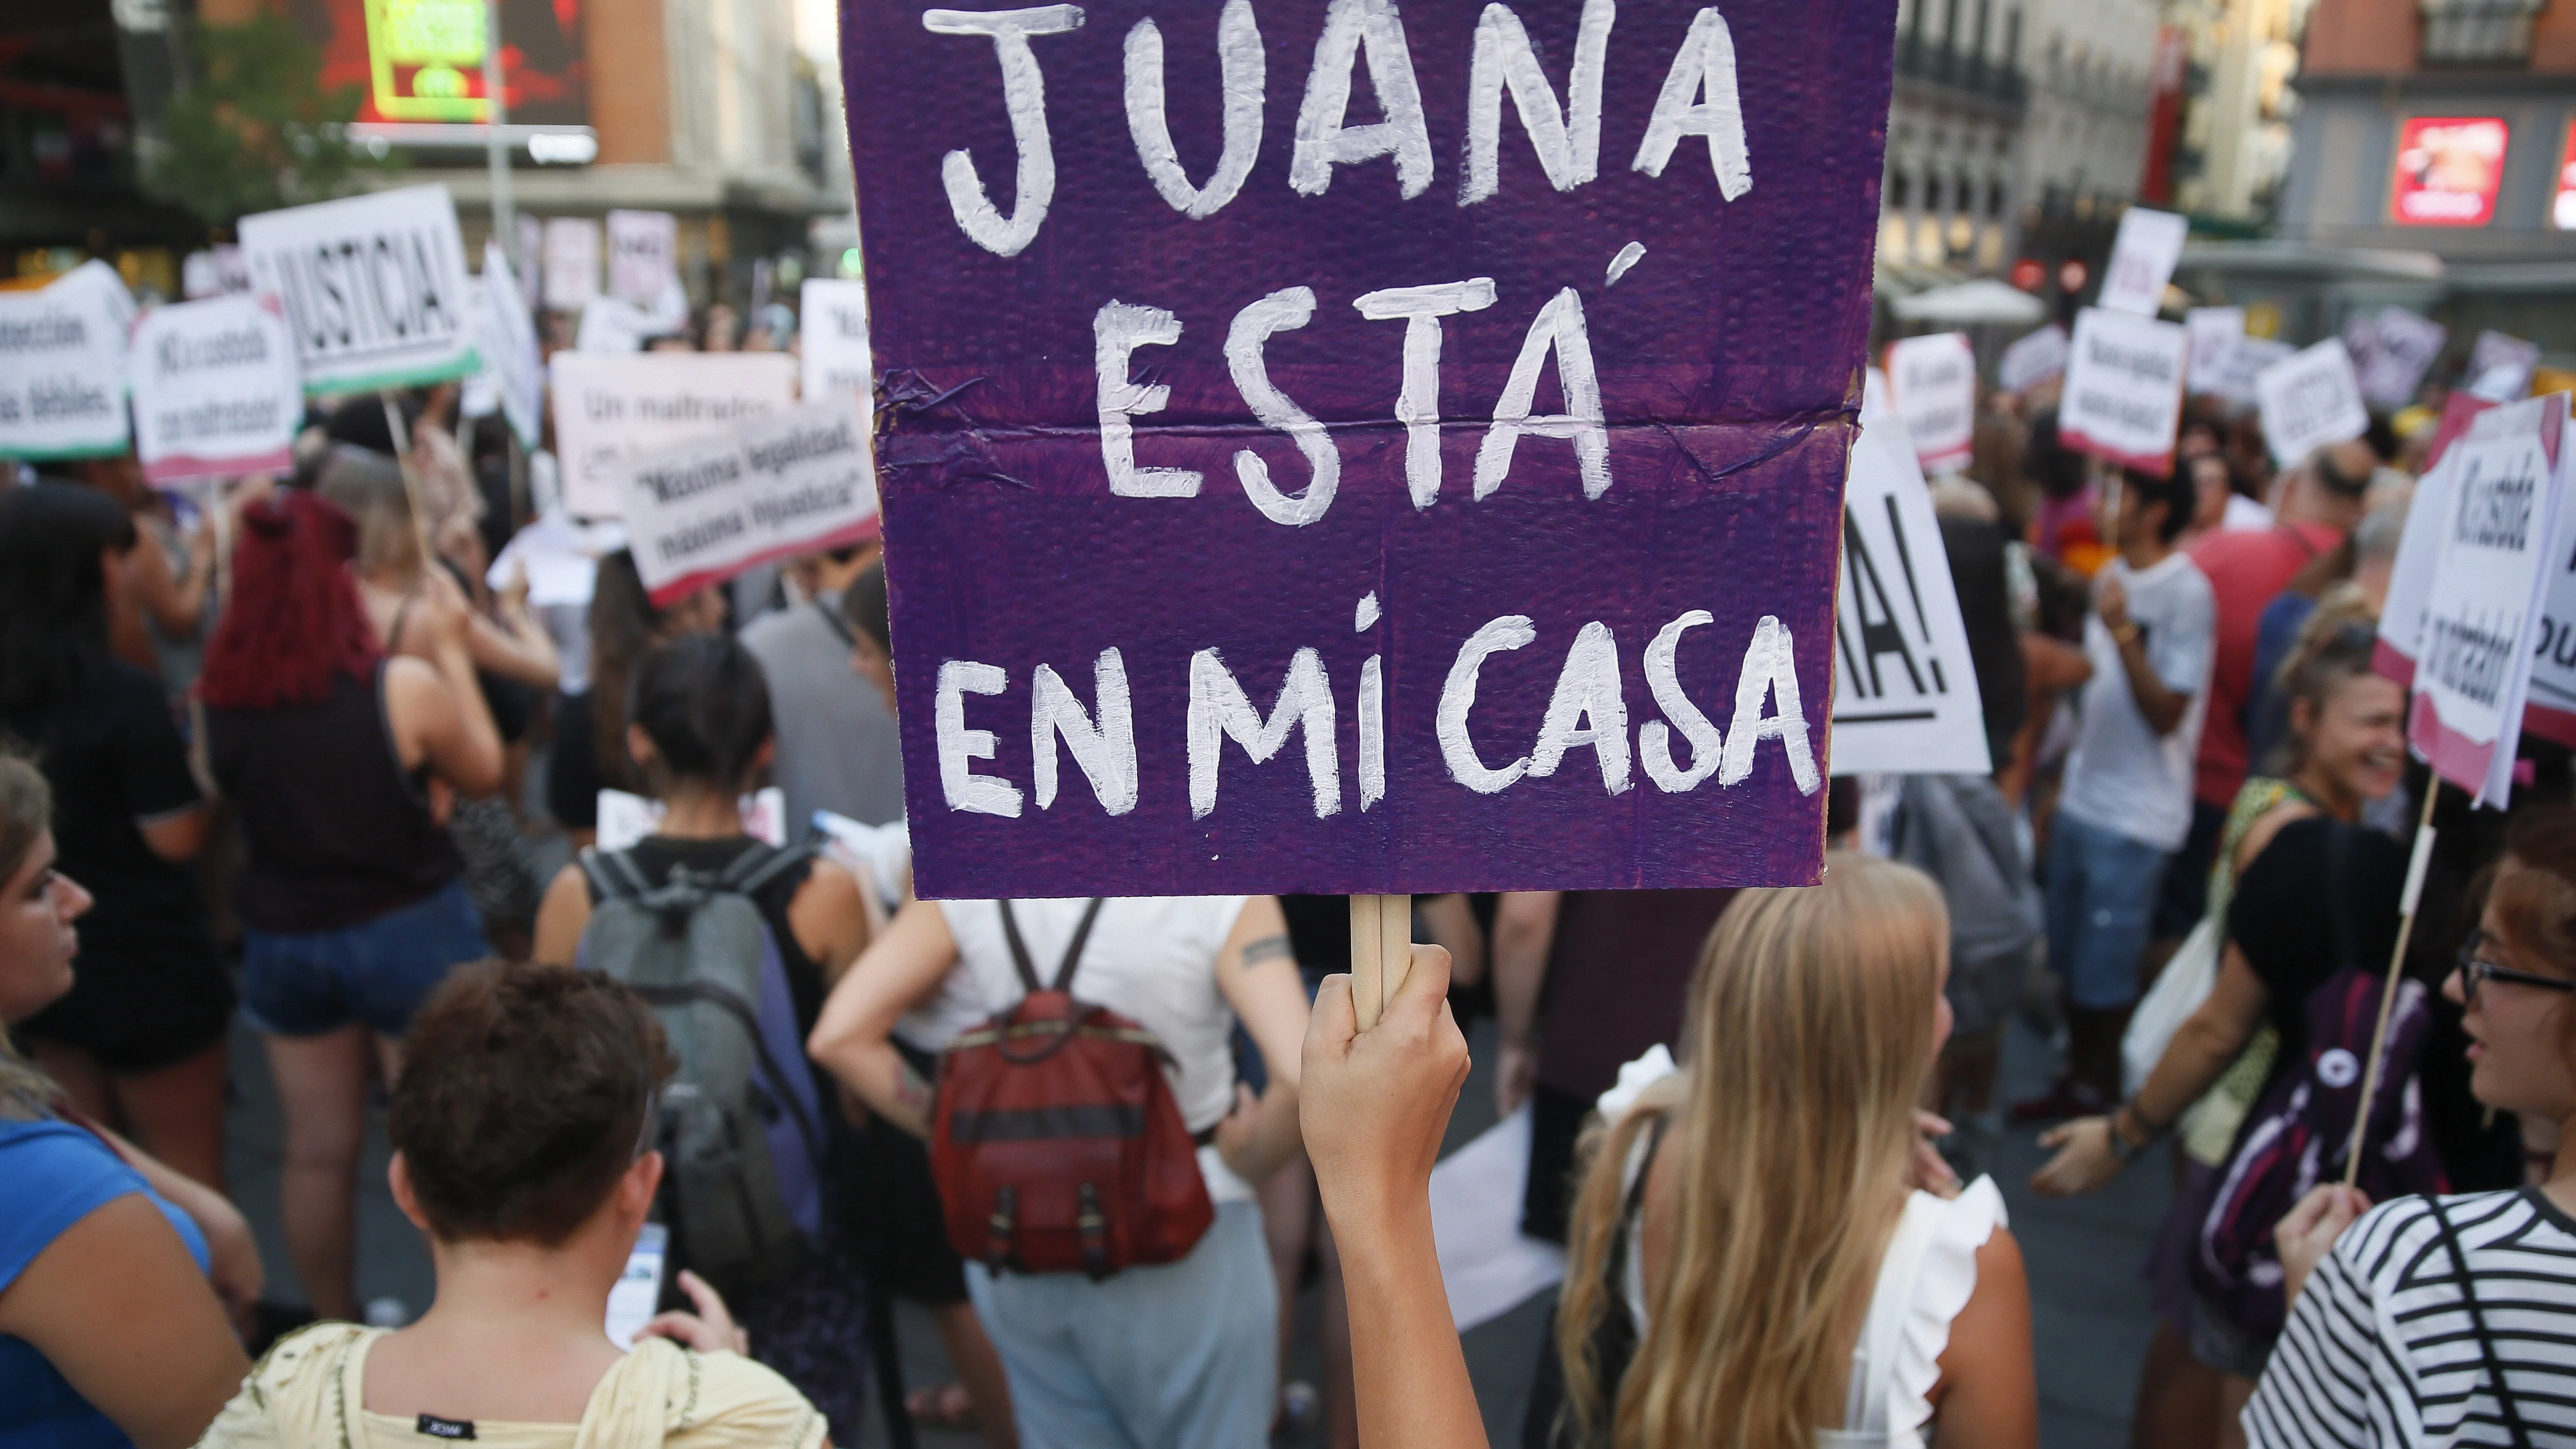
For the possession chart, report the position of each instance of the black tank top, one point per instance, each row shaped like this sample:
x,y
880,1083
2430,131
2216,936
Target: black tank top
x,y
338,833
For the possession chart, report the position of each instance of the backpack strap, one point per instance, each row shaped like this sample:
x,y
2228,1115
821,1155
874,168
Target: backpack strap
x,y
839,626
613,875
744,1014
2519,1436
754,869
1073,952
1019,951
1027,968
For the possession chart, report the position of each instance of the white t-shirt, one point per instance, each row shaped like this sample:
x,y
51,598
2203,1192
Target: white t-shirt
x,y
2244,514
1150,958
2123,776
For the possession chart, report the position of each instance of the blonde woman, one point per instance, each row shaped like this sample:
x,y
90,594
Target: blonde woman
x,y
401,592
1801,1293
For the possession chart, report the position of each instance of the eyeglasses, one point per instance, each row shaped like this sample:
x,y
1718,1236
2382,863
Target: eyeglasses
x,y
2475,972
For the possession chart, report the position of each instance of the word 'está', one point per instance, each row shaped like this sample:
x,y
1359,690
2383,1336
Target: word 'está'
x,y
1698,97
1557,332
1678,751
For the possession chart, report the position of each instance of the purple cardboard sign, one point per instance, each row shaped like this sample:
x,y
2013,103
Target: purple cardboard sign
x,y
1351,449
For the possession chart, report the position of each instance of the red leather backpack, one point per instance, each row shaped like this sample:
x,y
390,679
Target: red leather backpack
x,y
1056,1141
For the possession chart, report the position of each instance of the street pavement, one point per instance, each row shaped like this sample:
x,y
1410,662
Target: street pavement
x,y
2089,1309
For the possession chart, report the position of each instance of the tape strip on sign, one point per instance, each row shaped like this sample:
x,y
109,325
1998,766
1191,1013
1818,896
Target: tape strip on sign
x,y
1322,457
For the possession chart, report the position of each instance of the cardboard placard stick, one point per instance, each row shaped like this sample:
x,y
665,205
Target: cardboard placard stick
x,y
1381,952
2415,869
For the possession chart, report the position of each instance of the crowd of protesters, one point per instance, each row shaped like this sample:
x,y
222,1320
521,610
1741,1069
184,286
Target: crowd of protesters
x,y
295,753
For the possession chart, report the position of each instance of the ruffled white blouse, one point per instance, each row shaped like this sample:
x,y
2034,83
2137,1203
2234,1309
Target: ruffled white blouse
x,y
1927,1276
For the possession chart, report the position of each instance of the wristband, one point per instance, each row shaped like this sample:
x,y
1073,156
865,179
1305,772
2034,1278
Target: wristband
x,y
2121,1150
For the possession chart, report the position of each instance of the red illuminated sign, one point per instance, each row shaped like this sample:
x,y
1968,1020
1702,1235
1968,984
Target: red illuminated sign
x,y
2562,201
2447,170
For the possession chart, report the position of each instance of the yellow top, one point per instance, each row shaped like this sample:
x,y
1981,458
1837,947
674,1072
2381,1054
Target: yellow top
x,y
308,1392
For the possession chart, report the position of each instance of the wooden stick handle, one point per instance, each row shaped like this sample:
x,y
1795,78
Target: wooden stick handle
x,y
2415,868
1381,952
400,432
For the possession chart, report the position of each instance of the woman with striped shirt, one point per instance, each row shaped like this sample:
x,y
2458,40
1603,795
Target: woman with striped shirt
x,y
2452,1321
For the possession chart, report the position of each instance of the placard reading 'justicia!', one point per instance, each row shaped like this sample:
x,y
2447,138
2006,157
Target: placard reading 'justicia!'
x,y
1353,447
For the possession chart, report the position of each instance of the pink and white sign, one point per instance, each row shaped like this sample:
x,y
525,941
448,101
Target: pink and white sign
x,y
2484,606
2123,397
216,389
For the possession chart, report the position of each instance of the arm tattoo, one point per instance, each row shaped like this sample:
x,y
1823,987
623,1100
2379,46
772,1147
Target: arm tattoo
x,y
910,1089
1267,949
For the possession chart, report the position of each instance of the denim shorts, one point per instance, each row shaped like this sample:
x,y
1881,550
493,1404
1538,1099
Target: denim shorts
x,y
1181,1354
376,973
2102,892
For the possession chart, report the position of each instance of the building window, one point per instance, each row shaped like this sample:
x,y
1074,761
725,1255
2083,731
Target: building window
x,y
2478,32
1900,190
1995,199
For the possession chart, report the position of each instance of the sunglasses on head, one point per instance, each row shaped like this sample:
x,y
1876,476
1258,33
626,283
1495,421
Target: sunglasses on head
x,y
2476,972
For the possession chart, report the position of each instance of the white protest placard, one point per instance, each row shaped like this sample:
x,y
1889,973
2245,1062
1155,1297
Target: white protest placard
x,y
530,261
571,262
517,365
2214,333
2143,254
2500,366
2483,608
1934,379
375,287
2123,398
2419,547
625,819
2310,399
216,393
213,273
774,486
62,366
2247,360
834,324
2360,340
643,255
1905,691
2033,360
609,406
2403,348
612,324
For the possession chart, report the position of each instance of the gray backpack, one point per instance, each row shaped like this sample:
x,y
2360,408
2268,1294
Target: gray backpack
x,y
741,1126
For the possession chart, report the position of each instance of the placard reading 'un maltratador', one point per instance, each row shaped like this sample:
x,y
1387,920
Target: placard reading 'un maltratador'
x,y
1352,447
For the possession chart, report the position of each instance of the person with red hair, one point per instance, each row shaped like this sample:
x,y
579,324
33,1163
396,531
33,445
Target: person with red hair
x,y
340,764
